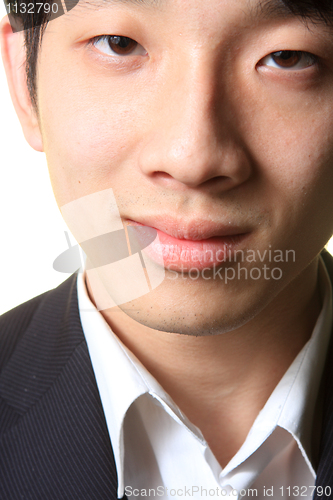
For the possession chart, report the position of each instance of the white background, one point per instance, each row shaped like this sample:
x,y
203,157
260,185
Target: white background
x,y
32,230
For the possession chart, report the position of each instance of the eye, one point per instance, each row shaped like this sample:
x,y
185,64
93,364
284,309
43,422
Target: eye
x,y
289,60
114,45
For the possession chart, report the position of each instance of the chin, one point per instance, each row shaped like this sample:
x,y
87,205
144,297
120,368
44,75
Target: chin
x,y
204,318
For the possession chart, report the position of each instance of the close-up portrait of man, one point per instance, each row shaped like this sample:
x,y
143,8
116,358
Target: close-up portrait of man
x,y
189,145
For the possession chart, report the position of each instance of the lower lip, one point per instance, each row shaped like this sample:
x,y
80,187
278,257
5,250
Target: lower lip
x,y
184,255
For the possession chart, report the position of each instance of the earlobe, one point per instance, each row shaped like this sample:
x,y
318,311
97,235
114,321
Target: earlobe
x,y
14,59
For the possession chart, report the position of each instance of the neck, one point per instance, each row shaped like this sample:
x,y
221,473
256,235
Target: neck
x,y
229,377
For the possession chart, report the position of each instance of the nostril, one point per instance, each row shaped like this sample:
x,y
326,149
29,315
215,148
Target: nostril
x,y
161,175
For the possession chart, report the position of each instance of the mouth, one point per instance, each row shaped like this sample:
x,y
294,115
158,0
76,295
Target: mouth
x,y
182,246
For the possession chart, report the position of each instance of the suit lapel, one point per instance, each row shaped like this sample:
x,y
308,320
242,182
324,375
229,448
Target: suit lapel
x,y
325,466
57,446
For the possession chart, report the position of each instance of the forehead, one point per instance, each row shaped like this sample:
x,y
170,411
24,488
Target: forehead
x,y
264,7
312,10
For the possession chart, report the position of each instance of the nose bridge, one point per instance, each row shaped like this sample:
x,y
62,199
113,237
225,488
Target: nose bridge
x,y
192,113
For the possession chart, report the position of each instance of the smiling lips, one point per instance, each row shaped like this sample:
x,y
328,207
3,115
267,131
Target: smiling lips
x,y
194,246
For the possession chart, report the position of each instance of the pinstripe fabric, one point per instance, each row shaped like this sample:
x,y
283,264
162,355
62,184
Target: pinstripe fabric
x,y
325,467
54,444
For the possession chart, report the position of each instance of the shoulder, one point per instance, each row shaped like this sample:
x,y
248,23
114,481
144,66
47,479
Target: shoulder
x,y
14,323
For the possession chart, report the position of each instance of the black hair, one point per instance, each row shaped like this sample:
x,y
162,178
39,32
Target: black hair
x,y
35,24
322,10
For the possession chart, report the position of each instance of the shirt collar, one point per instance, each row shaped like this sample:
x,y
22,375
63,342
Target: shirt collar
x,y
121,378
304,375
118,381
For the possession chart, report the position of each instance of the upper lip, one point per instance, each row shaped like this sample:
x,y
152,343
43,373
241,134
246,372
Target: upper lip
x,y
194,229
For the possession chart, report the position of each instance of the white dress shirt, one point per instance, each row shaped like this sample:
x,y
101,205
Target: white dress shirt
x,y
160,453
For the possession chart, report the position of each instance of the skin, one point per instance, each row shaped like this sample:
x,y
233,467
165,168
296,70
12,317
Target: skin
x,y
204,128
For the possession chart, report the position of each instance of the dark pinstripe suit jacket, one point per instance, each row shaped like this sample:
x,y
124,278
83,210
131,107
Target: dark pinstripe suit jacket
x,y
54,444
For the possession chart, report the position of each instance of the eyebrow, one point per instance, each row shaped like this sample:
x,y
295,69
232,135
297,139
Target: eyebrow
x,y
306,10
267,9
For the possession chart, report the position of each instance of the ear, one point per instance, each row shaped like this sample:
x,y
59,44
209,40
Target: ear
x,y
14,59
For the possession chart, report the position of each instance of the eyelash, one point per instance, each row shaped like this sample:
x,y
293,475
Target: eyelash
x,y
308,59
120,41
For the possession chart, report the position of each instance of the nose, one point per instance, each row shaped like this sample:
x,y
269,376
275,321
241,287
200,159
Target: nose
x,y
194,139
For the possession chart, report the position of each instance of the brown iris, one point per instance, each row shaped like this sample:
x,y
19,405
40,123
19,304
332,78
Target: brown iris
x,y
287,58
122,45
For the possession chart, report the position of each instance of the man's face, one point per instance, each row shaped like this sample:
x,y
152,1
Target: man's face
x,y
203,129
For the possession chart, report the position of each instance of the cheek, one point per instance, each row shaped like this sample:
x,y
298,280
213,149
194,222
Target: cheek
x,y
292,134
91,125
288,135
295,152
290,130
86,142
